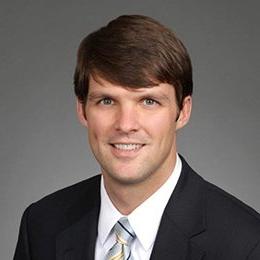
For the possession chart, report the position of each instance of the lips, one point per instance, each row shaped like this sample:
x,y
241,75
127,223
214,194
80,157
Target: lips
x,y
127,147
126,150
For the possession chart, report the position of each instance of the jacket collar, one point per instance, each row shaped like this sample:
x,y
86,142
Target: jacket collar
x,y
183,220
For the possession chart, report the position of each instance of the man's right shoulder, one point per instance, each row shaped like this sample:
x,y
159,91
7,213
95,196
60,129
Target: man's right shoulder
x,y
59,202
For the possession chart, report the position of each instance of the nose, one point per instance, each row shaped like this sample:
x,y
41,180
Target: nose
x,y
127,119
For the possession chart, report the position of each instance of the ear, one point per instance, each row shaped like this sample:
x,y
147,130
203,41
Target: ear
x,y
81,113
185,112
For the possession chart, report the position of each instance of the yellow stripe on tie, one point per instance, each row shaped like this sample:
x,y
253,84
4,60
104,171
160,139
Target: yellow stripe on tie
x,y
119,256
120,240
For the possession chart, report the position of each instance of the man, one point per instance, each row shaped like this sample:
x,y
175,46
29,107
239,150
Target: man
x,y
133,83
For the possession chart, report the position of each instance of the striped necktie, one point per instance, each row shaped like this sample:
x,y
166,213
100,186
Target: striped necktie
x,y
124,236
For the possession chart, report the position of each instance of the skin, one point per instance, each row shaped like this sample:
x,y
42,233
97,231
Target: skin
x,y
145,119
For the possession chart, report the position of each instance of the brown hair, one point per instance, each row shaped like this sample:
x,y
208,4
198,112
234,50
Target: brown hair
x,y
134,51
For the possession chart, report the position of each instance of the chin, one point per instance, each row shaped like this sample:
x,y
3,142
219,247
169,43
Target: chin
x,y
129,179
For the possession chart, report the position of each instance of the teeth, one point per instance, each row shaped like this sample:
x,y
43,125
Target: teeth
x,y
127,147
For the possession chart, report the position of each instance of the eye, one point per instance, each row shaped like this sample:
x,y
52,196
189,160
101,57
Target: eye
x,y
150,102
106,101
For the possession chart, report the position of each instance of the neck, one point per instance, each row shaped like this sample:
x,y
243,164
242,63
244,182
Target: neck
x,y
127,197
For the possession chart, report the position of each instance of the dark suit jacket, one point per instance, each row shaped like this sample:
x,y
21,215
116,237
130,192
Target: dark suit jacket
x,y
200,222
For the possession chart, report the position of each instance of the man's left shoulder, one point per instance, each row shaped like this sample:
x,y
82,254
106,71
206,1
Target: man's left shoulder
x,y
225,209
222,209
231,228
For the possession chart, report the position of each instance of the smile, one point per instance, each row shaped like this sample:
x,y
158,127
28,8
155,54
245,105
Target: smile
x,y
127,147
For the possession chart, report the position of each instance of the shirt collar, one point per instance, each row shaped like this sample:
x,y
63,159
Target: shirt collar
x,y
144,226
108,215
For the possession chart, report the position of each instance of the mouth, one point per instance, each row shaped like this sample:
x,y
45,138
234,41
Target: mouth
x,y
128,146
126,150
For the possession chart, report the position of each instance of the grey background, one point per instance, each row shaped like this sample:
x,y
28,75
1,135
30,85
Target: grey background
x,y
44,148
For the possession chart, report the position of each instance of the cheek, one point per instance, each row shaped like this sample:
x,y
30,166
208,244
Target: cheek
x,y
160,125
98,126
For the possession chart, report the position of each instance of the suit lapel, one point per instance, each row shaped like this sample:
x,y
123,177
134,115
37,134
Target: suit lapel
x,y
171,243
77,241
183,220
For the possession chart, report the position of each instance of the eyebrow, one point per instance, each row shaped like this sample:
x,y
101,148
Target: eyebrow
x,y
155,95
96,94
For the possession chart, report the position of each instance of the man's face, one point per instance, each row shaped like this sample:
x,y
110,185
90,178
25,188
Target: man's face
x,y
132,132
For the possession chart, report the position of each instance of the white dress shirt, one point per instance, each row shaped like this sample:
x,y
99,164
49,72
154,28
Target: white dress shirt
x,y
144,220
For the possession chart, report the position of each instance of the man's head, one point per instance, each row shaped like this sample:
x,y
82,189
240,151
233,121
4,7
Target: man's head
x,y
134,51
133,82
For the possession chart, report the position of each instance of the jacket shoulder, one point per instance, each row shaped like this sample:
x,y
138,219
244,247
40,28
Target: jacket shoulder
x,y
221,206
55,205
232,228
230,223
222,203
43,220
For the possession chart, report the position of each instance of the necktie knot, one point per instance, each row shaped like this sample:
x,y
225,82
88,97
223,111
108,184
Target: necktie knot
x,y
124,232
124,236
